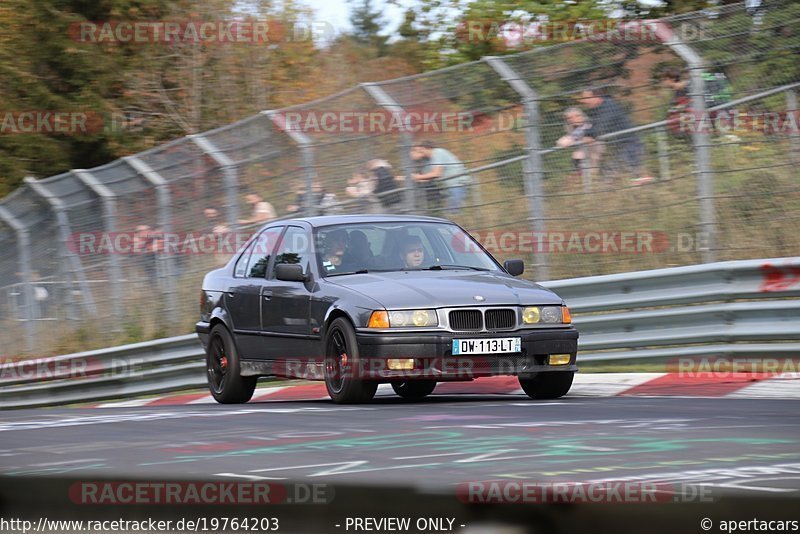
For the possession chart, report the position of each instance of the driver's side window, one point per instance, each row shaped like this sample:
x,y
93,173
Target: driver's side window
x,y
294,248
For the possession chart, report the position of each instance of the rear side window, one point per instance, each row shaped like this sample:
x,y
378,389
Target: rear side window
x,y
253,263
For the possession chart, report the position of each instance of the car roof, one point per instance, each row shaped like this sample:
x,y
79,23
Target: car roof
x,y
329,220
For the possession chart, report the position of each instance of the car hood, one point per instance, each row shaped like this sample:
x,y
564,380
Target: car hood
x,y
442,289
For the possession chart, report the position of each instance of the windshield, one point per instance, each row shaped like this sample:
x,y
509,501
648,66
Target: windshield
x,y
381,247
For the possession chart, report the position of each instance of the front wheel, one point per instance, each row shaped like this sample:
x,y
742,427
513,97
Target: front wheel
x,y
551,385
226,383
342,366
414,389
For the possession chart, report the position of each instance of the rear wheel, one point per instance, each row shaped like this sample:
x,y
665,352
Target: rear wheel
x,y
342,365
550,385
222,363
414,389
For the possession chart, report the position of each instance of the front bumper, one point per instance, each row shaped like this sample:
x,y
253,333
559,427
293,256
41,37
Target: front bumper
x,y
434,359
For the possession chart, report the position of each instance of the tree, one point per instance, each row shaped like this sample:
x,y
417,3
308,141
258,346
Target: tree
x,y
367,22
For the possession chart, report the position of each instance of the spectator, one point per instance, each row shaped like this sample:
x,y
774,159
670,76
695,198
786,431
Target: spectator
x,y
673,79
386,185
262,212
446,169
577,126
680,103
214,230
361,188
607,116
215,225
328,204
412,252
146,243
320,199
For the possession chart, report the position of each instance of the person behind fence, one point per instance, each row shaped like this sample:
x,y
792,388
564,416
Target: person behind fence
x,y
680,103
387,186
433,194
446,169
607,116
362,188
262,212
320,200
577,125
215,225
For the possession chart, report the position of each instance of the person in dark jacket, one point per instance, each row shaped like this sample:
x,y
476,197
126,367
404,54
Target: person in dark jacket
x,y
607,116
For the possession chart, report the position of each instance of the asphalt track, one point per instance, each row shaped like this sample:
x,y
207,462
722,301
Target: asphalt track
x,y
729,444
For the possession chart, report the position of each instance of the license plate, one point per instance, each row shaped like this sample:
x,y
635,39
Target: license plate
x,y
502,345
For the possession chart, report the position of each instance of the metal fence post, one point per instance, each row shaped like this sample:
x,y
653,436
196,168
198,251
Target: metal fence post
x,y
306,154
76,269
165,223
533,166
109,200
229,176
24,262
794,136
701,140
383,99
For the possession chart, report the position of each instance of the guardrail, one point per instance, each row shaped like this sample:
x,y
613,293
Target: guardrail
x,y
743,308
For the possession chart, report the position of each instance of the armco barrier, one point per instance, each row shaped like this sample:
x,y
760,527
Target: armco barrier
x,y
739,308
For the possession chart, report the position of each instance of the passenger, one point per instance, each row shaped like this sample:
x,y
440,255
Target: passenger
x,y
359,254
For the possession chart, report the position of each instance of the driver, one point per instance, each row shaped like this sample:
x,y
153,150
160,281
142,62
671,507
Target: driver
x,y
412,252
334,249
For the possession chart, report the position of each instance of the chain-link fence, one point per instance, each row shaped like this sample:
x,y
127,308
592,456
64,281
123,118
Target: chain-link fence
x,y
662,143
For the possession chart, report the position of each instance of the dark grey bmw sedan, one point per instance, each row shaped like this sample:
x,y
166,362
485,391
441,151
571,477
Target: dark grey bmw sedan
x,y
361,300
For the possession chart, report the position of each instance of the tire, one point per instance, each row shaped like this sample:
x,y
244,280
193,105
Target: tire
x,y
550,385
414,389
342,365
225,382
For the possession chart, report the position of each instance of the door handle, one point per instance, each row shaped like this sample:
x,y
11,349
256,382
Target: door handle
x,y
267,296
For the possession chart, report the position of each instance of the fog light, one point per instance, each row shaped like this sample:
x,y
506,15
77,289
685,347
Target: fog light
x,y
400,365
558,359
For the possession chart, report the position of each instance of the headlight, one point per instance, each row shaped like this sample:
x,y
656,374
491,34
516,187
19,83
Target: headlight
x,y
544,315
403,318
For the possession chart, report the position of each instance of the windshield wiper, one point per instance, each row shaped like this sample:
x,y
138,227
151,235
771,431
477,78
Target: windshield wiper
x,y
360,271
442,267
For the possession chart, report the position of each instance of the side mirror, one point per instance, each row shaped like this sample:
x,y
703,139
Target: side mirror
x,y
290,272
514,267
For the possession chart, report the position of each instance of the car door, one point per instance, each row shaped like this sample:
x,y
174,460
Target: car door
x,y
243,299
285,307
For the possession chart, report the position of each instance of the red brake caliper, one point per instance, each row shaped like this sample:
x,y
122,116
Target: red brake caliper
x,y
223,362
